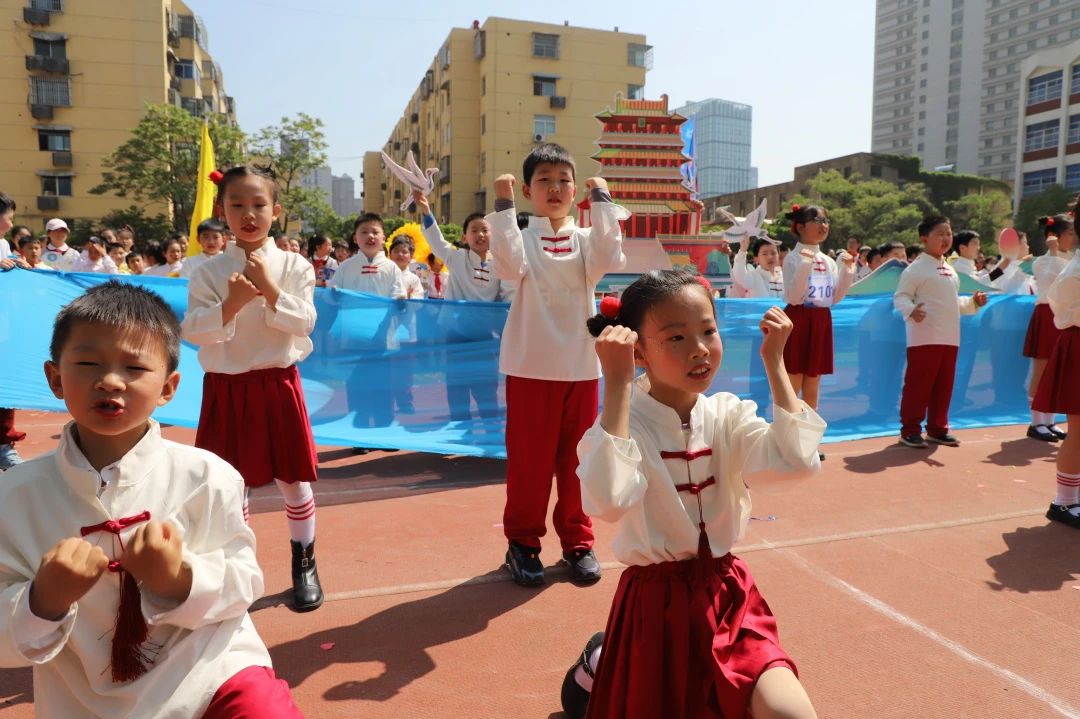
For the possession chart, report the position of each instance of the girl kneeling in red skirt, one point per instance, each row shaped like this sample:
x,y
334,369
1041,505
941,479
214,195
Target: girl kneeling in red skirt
x,y
1059,392
1042,335
688,634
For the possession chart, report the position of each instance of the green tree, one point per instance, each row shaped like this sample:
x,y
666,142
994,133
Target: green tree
x,y
985,213
146,227
160,161
1051,201
294,148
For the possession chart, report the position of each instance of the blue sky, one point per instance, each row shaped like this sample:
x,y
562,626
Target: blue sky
x,y
805,67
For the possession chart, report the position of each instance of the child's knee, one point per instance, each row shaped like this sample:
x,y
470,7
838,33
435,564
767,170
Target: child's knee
x,y
778,694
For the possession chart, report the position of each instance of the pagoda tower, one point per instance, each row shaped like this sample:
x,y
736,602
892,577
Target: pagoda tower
x,y
640,154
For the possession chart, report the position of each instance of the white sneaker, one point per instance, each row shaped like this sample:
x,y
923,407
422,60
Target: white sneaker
x,y
8,457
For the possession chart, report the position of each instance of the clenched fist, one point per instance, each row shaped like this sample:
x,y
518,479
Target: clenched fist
x,y
241,289
776,326
67,572
594,183
615,348
504,187
153,556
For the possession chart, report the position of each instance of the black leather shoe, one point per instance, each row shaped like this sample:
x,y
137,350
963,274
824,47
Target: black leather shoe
x,y
307,593
1041,432
1057,432
584,567
1062,513
525,565
575,698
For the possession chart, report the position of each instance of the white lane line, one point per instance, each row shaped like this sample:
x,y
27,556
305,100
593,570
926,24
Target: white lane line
x,y
1030,688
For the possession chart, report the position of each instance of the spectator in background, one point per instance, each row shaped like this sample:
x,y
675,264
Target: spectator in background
x,y
116,253
135,263
94,258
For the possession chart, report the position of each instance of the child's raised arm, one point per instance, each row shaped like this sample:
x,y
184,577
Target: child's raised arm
x,y
432,233
797,267
846,265
603,251
507,245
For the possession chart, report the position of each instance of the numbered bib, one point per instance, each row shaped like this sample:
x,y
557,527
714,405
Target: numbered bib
x,y
820,292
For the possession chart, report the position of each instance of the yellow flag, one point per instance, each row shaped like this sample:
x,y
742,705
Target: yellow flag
x,y
205,191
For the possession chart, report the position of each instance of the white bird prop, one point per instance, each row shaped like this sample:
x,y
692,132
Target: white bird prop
x,y
413,177
750,226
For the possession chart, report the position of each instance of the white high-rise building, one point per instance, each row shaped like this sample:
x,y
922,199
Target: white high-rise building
x,y
722,132
343,199
947,77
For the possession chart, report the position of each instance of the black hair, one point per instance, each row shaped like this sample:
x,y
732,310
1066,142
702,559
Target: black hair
x,y
801,214
155,250
644,292
123,305
16,229
130,255
28,239
402,240
892,245
470,218
912,252
872,255
1056,225
317,239
126,228
6,203
166,245
523,220
95,240
210,225
929,223
110,246
962,239
368,217
757,244
546,152
338,244
264,171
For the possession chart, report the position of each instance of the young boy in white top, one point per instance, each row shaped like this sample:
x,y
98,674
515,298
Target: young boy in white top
x,y
547,353
369,270
126,567
211,239
94,258
927,298
57,253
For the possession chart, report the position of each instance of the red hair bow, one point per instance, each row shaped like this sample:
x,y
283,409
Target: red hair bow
x,y
1049,221
795,208
609,307
216,177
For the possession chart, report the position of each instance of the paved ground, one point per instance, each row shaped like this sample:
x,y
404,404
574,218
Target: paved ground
x,y
906,583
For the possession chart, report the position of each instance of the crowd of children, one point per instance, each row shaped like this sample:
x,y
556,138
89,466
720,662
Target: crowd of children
x,y
154,581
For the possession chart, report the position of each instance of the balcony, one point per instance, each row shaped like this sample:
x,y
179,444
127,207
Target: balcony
x,y
62,158
47,64
175,83
41,112
34,16
50,203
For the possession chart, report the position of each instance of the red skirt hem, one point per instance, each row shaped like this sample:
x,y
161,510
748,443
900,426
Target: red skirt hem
x,y
258,422
809,349
686,639
1042,333
1059,390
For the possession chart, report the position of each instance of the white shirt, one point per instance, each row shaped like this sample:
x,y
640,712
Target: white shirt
x,y
413,289
377,276
472,277
258,337
758,281
816,281
190,264
627,481
59,258
934,284
204,640
1046,269
557,273
104,265
5,249
967,267
174,269
1064,295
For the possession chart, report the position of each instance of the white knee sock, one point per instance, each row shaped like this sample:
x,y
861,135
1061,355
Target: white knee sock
x,y
300,510
1068,489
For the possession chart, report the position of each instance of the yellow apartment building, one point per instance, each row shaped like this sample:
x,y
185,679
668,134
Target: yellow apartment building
x,y
492,93
75,78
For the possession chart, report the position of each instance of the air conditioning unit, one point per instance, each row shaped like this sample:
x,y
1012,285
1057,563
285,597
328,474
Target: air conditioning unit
x,y
61,158
48,202
415,117
558,102
41,112
33,16
56,64
538,138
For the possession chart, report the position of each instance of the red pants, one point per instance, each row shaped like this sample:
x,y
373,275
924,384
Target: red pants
x,y
253,693
545,420
7,427
928,386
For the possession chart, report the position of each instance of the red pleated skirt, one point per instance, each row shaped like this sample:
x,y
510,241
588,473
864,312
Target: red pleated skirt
x,y
1042,333
809,349
257,422
1059,388
253,693
685,639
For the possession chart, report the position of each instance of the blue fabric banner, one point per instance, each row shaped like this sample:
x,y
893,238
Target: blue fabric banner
x,y
423,375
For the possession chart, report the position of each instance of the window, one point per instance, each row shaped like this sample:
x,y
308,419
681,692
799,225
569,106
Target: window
x,y
639,55
635,92
54,140
1036,182
543,125
1041,135
1074,130
483,124
1044,88
56,185
51,5
543,85
50,48
46,91
545,45
1076,78
1072,178
187,69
